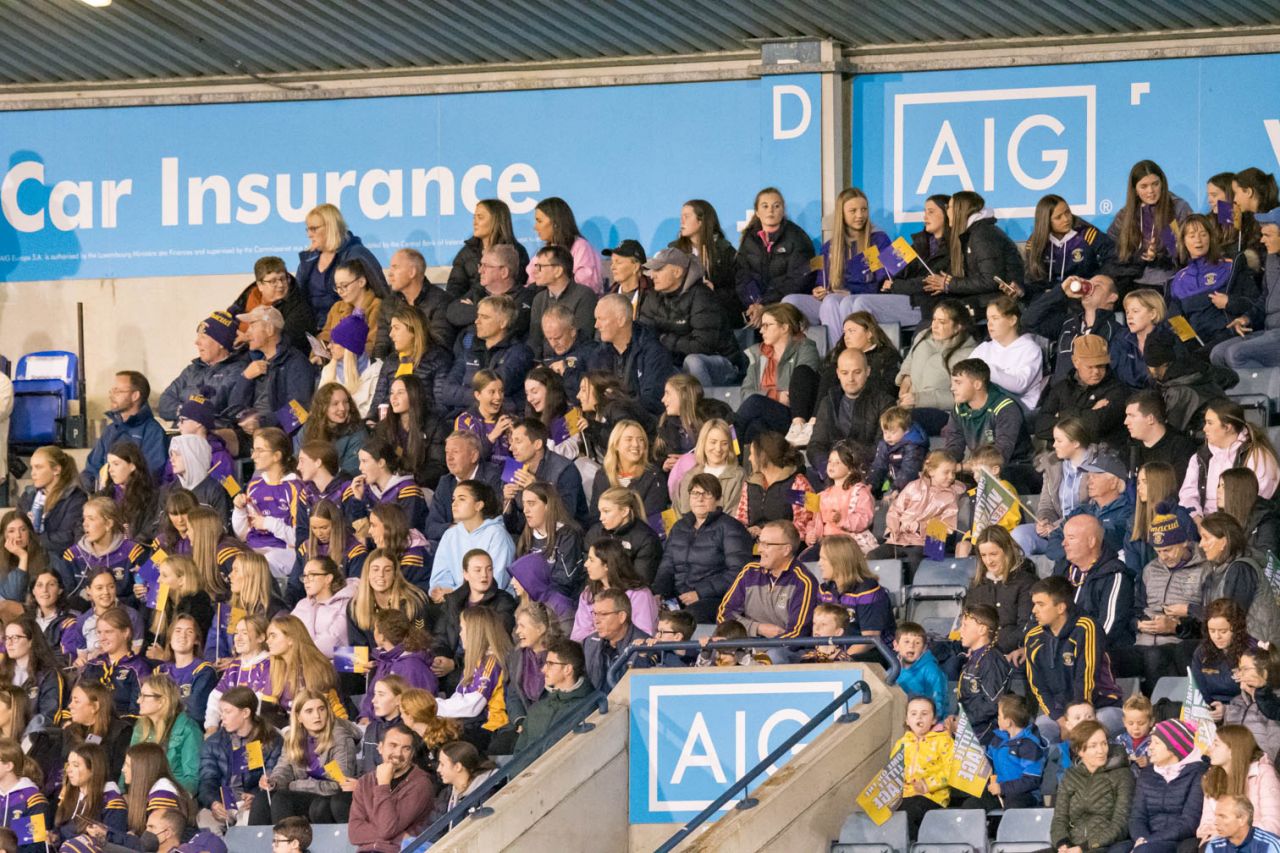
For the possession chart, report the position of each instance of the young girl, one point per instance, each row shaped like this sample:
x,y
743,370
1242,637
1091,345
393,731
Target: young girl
x,y
773,257
382,588
415,438
174,535
1209,290
322,477
92,719
251,666
194,676
477,517
130,485
383,700
389,530
1062,245
224,763
349,367
252,593
848,581
328,537
714,454
401,652
846,506
846,273
1238,767
463,768
626,464
296,665
117,666
486,419
552,534
300,785
679,425
335,420
1145,229
149,786
161,721
609,566
324,610
80,639
1216,660
88,795
935,495
54,502
926,754
547,401
382,480
478,589
185,597
105,547
479,700
266,513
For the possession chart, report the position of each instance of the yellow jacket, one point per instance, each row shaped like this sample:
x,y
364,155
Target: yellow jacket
x,y
927,759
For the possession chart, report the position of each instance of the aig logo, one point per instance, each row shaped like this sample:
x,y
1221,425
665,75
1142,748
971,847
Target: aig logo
x,y
1011,145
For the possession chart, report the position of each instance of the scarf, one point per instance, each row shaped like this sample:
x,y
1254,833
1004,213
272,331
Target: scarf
x,y
1169,772
406,365
769,374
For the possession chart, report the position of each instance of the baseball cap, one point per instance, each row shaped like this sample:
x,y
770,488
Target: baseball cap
x,y
263,314
628,249
1106,463
668,257
1271,217
1090,351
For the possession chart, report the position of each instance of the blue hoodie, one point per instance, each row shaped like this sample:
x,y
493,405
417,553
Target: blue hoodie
x,y
925,678
491,536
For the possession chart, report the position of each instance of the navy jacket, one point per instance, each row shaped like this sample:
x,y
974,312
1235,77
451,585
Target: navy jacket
x,y
141,429
703,559
641,543
432,302
1070,666
321,293
899,464
290,376
216,382
1214,680
440,513
1105,593
983,680
222,763
644,368
510,358
1085,253
1167,812
63,525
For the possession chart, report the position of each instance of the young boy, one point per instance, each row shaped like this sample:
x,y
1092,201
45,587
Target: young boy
x,y
985,676
899,453
926,759
1138,721
987,458
293,834
921,675
730,630
829,620
674,626
1017,754
1060,751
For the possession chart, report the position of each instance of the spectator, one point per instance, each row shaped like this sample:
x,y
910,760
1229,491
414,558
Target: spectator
x,y
293,834
407,278
713,454
621,517
490,227
319,468
92,718
546,399
1017,754
689,320
552,273
416,437
780,388
1256,672
116,663
492,346
555,225
1209,290
463,459
926,755
191,463
332,245
105,547
152,794
54,504
328,537
981,254
609,565
162,721
627,466
924,380
252,591
1144,313
567,352
899,455
249,667
277,377
391,802
1238,497
80,639
273,287
486,419
906,299
129,483
1064,488
627,274
1151,437
565,672
87,795
851,412
614,632
1145,228
418,710
477,589
1233,824
266,513
1090,393
553,537
848,582
773,597
1187,385
1139,720
355,296
31,665
1091,806
389,530
130,420
846,505
631,351
1238,768
303,784
935,495
212,374
194,676
531,584
1066,654
1234,571
383,481
1003,582
477,525
704,552
1156,483
862,332
415,351
1087,256
296,665
985,676
1015,358
777,487
985,414
222,759
773,258
536,630
921,675
464,769
382,589
702,238
501,273
1230,442
479,703
351,369
1103,588
1167,800
1259,325
324,609
1216,658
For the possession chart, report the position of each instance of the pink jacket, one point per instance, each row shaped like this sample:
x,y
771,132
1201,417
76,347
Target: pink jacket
x,y
644,614
915,505
586,265
844,510
1262,787
327,621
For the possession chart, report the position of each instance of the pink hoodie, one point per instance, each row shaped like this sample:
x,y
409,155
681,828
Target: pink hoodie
x,y
918,502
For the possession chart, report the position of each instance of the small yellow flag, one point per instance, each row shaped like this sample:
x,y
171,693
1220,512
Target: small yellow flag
x,y
905,251
812,501
237,613
158,556
162,596
230,485
360,659
253,755
816,263
574,421
335,772
669,518
38,833
1182,328
872,254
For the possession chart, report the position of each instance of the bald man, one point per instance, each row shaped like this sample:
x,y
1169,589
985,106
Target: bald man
x,y
630,352
850,412
1103,586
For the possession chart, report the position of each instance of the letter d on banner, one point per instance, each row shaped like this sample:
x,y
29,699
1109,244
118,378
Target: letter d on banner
x,y
806,112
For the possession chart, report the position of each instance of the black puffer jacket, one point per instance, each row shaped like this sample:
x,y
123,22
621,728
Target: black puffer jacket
x,y
988,254
446,634
691,320
299,319
861,425
640,542
465,274
719,269
703,559
1012,601
763,276
432,302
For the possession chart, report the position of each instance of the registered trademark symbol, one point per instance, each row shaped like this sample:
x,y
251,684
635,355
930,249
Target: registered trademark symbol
x,y
1105,205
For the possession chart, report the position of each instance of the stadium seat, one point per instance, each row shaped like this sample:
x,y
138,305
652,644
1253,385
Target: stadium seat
x,y
1171,687
728,394
44,385
1258,391
890,574
893,331
1023,831
818,334
1043,564
1128,686
952,831
954,572
248,839
935,608
861,835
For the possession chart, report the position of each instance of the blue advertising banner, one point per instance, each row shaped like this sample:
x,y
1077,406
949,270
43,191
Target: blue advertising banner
x,y
694,735
206,189
1017,134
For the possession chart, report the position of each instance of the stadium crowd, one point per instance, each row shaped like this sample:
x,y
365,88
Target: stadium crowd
x,y
382,530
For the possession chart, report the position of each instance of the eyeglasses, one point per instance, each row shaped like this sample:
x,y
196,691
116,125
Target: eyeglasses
x,y
274,280
546,266
663,632
340,286
16,638
764,544
699,493
601,614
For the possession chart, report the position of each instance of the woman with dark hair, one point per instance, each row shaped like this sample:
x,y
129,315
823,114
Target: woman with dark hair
x,y
1210,290
551,536
1226,637
555,225
322,479
49,608
924,379
415,352
222,762
1062,246
389,530
400,650
384,480
777,486
1253,191
410,428
773,257
1219,193
1014,356
194,676
904,299
1238,497
605,403
30,664
490,226
54,503
704,551
1144,230
1091,807
92,718
266,513
1235,572
462,769
130,485
702,237
355,296
981,255
1003,582
609,566
477,517
861,331
20,558
546,400
335,419
89,795
1230,441
479,589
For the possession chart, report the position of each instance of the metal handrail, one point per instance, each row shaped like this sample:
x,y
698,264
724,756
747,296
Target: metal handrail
x,y
615,671
471,804
741,785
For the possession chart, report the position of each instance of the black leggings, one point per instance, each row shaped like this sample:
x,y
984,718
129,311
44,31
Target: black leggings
x,y
333,808
758,413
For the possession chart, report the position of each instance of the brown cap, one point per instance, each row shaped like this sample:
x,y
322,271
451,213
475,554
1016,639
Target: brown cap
x,y
1089,351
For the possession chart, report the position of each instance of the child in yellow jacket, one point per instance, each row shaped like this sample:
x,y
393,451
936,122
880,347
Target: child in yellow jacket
x,y
926,758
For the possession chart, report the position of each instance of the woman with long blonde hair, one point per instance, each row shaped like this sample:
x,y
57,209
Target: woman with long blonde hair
x,y
161,720
627,465
301,785
252,592
54,502
296,663
480,702
212,549
714,454
382,587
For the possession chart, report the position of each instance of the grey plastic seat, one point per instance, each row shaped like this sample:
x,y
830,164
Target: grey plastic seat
x,y
952,831
958,571
861,835
1171,687
1024,831
890,574
731,395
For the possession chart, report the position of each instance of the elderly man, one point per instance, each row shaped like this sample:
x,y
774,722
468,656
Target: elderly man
x,y
500,270
212,374
1090,392
775,596
462,459
407,276
552,274
1233,822
393,801
564,673
1107,499
611,614
689,321
130,420
631,352
491,346
1104,589
851,412
281,375
564,350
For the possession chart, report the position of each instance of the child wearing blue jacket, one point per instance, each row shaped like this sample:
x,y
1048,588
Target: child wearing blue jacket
x,y
900,452
921,675
1017,754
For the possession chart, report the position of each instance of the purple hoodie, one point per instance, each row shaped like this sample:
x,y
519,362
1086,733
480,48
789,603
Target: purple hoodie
x,y
413,667
533,573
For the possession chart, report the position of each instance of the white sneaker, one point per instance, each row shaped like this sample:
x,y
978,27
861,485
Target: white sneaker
x,y
800,433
